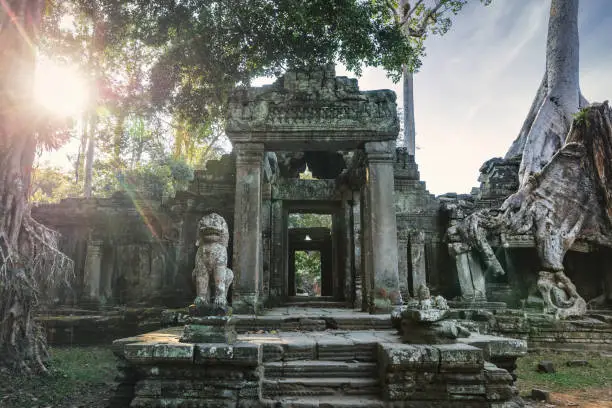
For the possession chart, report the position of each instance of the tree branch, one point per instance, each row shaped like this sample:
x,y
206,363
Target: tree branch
x,y
420,31
406,17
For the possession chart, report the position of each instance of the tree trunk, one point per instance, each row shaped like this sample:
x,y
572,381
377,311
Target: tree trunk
x,y
558,97
91,146
409,127
28,251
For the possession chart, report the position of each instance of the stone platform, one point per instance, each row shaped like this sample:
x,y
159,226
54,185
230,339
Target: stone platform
x,y
591,332
297,318
289,361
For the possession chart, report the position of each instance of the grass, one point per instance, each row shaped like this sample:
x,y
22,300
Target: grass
x,y
596,376
79,377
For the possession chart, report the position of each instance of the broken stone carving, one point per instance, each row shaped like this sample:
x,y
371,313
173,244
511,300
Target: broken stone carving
x,y
570,199
424,320
211,274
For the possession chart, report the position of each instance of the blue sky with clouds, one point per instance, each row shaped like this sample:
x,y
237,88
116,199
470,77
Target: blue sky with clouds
x,y
477,83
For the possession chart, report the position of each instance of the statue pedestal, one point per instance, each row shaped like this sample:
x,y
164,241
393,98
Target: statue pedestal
x,y
209,329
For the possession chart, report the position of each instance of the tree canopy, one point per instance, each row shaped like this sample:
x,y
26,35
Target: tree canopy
x,y
206,48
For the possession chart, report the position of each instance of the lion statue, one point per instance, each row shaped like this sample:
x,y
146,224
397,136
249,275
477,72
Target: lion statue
x,y
211,274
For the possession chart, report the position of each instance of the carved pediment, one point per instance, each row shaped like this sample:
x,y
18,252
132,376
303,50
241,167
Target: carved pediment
x,y
313,101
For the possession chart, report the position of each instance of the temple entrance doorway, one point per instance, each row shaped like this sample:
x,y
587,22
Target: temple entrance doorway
x,y
313,266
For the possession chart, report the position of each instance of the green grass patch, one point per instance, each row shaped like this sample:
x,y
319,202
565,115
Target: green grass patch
x,y
597,375
78,376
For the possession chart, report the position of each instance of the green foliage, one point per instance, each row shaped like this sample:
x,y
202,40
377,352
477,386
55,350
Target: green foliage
x,y
580,117
308,220
308,271
208,47
78,376
50,185
599,375
154,180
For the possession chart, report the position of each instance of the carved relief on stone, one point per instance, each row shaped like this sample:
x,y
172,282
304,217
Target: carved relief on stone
x,y
312,100
211,274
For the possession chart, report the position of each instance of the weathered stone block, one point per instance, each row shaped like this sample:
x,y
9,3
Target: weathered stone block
x,y
540,395
405,357
546,367
247,354
460,357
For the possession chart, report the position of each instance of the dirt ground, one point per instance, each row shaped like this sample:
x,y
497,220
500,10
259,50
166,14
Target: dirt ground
x,y
591,398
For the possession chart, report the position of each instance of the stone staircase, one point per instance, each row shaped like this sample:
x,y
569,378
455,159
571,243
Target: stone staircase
x,y
316,302
330,371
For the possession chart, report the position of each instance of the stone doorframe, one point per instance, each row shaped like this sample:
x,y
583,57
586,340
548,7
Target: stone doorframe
x,y
340,236
309,111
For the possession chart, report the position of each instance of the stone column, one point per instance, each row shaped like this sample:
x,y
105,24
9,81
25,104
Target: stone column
x,y
266,209
247,227
347,235
93,270
402,264
382,226
469,271
357,248
366,253
417,260
277,257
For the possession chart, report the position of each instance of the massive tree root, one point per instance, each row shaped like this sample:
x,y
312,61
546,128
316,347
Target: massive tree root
x,y
23,281
30,261
570,198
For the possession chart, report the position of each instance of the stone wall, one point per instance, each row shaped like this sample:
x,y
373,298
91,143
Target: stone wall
x,y
130,250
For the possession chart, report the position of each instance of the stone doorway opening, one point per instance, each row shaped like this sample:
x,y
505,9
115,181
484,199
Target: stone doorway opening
x,y
310,271
307,272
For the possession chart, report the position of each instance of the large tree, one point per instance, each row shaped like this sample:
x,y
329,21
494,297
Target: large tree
x,y
28,251
209,47
558,97
205,49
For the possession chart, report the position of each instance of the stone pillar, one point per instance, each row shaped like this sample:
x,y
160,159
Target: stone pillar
x,y
357,248
266,209
382,226
347,237
366,253
402,264
247,227
470,274
93,270
417,260
278,257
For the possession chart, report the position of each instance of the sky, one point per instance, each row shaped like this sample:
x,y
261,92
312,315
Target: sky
x,y
478,81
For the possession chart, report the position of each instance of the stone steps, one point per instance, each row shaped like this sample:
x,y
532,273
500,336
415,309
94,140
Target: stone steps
x,y
362,401
319,387
318,304
313,372
318,368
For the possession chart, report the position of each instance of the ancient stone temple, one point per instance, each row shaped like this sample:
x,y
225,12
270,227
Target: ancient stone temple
x,y
387,236
315,115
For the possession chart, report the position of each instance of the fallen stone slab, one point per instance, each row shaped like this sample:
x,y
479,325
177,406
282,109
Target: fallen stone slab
x,y
546,366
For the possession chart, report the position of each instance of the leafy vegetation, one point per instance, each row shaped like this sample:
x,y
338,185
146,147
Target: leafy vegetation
x,y
78,376
308,263
597,375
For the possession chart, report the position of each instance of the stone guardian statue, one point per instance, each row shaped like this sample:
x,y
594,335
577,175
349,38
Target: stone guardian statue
x,y
211,274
